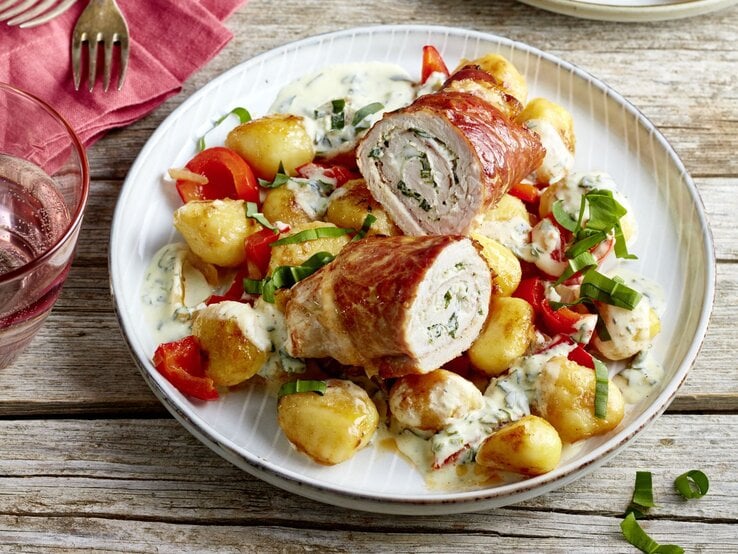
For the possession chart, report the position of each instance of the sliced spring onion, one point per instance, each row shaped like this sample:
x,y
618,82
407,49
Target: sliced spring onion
x,y
563,218
338,105
242,114
586,240
252,211
579,264
312,234
621,246
601,389
279,179
286,276
693,484
596,286
366,111
368,220
302,385
604,211
636,536
642,494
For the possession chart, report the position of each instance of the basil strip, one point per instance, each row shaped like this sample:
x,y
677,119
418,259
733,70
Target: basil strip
x,y
693,484
252,211
312,234
302,385
642,495
243,116
579,264
563,218
638,538
285,276
279,179
588,240
366,111
597,286
601,389
368,220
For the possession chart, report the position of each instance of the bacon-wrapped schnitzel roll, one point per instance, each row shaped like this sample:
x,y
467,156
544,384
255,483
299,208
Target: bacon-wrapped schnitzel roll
x,y
438,163
394,305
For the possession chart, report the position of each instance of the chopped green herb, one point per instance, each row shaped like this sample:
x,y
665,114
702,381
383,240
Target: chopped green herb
x,y
285,276
642,498
302,385
601,389
312,234
596,286
375,153
252,211
638,538
563,218
365,226
338,105
242,114
693,484
407,191
366,111
580,264
447,299
279,179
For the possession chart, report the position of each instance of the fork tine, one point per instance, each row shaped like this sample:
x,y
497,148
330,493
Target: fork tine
x,y
7,4
51,14
108,64
18,8
123,60
92,72
77,58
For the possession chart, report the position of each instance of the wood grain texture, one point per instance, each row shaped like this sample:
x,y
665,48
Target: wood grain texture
x,y
90,461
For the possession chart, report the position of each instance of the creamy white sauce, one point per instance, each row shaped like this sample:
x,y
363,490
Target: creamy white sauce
x,y
311,196
641,378
558,161
172,291
358,85
514,233
273,323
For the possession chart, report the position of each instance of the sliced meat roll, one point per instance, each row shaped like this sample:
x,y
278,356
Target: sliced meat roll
x,y
438,163
394,305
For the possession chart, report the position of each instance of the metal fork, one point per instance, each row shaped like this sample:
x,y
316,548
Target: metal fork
x,y
29,13
101,21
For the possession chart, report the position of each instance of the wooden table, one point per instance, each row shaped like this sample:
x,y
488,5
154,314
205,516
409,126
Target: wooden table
x,y
91,460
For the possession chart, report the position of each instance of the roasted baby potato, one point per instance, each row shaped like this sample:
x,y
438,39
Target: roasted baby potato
x,y
234,344
329,428
350,204
558,116
506,209
529,446
504,72
296,254
272,139
506,335
215,230
281,204
504,264
432,400
566,400
630,330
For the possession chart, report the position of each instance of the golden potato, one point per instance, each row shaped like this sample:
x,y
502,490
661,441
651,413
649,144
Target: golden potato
x,y
329,428
349,206
505,72
296,254
566,400
281,204
432,400
509,207
506,335
529,446
630,330
272,139
236,347
215,230
504,264
558,116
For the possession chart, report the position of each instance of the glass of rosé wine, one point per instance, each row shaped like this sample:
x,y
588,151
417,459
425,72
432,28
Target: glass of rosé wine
x,y
44,182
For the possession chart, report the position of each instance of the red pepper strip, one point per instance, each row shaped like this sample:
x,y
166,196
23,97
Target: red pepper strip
x,y
578,355
554,322
181,363
526,192
452,458
432,62
228,174
258,252
339,173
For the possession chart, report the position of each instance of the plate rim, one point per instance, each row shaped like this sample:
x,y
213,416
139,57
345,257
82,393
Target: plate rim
x,y
630,14
445,502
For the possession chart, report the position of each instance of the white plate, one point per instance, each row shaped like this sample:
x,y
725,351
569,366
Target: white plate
x,y
612,136
631,10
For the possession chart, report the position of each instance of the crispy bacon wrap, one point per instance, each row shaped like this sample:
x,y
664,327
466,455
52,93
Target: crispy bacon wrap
x,y
394,305
449,156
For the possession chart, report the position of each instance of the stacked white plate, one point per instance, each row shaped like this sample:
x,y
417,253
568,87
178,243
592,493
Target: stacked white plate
x,y
631,10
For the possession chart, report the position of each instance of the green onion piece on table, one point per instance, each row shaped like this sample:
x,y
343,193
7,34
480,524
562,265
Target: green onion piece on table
x,y
693,484
642,494
636,536
601,389
242,114
302,385
252,211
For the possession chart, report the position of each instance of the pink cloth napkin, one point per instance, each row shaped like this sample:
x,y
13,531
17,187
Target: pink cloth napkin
x,y
169,40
